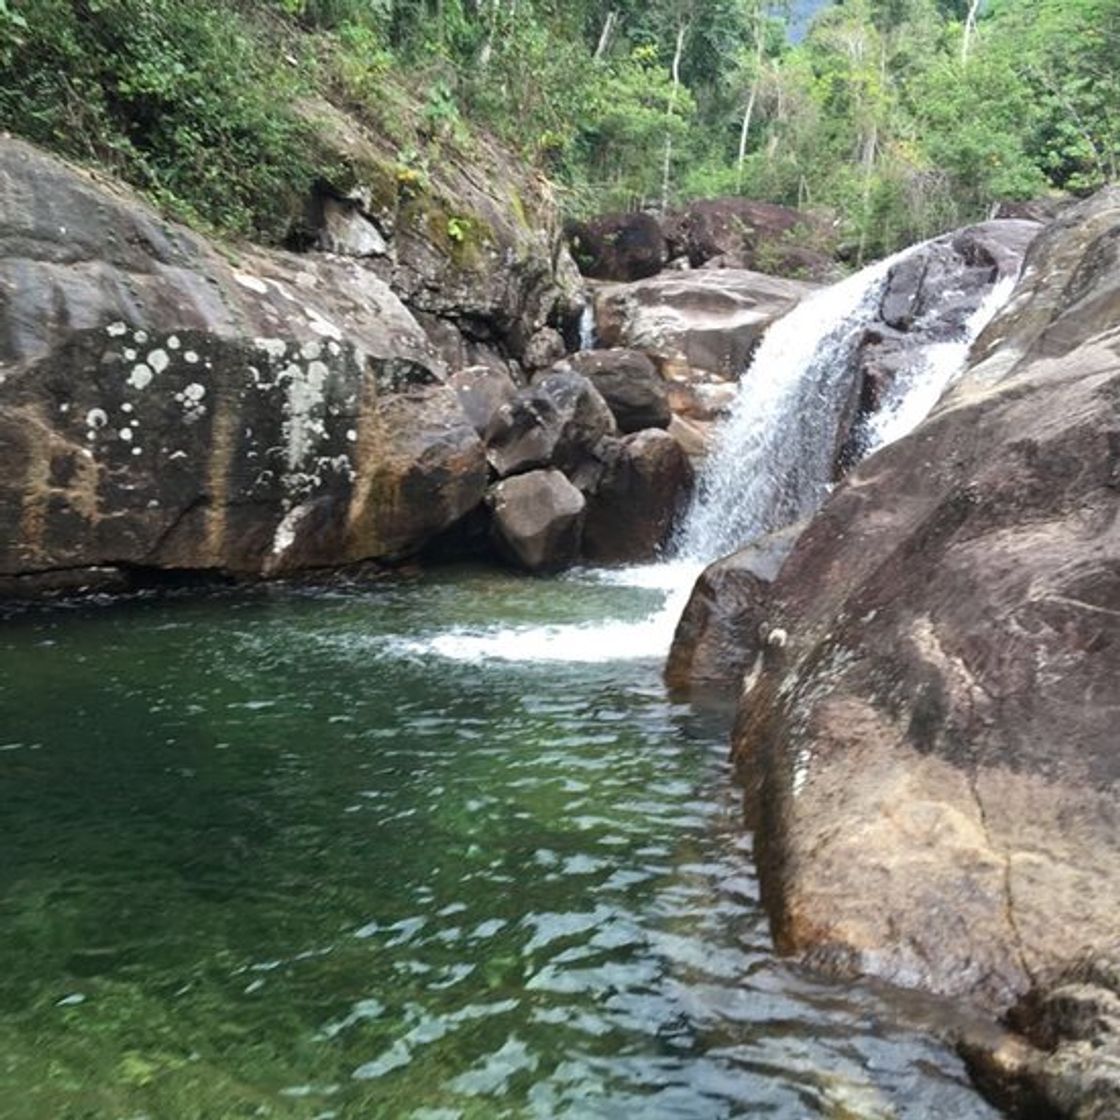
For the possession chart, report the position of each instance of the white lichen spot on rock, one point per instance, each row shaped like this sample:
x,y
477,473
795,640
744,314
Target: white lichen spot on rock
x,y
253,283
140,377
64,407
126,407
274,347
158,360
137,450
96,418
140,337
194,392
125,434
177,455
285,535
190,357
305,391
115,330
173,342
130,354
334,349
352,435
311,350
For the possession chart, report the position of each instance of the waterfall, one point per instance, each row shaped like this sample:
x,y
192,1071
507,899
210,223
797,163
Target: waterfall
x,y
587,339
772,463
771,466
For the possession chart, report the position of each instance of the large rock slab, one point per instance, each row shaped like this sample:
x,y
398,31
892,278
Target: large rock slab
x,y
724,626
163,407
689,322
932,759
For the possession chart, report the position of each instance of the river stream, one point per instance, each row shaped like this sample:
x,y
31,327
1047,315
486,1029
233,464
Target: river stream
x,y
426,849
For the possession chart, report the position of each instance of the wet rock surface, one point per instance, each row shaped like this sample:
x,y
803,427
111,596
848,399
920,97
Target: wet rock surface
x,y
645,481
931,760
724,625
1066,1060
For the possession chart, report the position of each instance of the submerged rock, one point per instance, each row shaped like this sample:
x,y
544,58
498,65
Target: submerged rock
x,y
1066,1062
537,519
932,762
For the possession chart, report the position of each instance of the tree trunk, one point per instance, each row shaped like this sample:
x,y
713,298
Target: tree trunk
x,y
969,28
606,35
748,112
682,31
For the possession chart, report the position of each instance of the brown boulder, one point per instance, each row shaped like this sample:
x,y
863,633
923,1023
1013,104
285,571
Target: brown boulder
x,y
932,759
629,383
743,233
482,390
537,519
694,321
556,421
162,408
724,626
619,246
645,481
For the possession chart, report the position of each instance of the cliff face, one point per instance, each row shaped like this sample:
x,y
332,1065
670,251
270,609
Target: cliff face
x,y
165,403
932,757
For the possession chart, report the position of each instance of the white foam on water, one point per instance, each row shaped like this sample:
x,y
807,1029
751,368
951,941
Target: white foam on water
x,y
596,642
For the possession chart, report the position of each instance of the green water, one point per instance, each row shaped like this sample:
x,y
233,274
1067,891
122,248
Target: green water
x,y
263,857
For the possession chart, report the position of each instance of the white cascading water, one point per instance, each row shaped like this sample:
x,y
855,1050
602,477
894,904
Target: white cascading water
x,y
771,466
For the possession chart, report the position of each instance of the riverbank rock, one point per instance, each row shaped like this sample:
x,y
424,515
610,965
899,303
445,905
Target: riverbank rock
x,y
743,233
693,323
537,519
162,407
724,625
645,481
629,383
932,759
473,243
557,421
732,232
1066,1062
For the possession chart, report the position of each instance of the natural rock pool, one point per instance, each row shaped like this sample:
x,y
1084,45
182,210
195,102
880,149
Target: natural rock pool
x,y
271,853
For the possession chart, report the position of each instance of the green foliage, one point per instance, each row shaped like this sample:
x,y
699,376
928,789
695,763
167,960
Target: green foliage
x,y
177,97
885,116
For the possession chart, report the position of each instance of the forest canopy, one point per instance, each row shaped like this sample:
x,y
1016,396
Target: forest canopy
x,y
899,118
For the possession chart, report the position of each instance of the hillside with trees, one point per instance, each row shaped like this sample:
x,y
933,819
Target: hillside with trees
x,y
898,118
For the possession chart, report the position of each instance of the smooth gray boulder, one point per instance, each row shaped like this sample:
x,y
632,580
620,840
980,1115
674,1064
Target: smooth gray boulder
x,y
537,519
